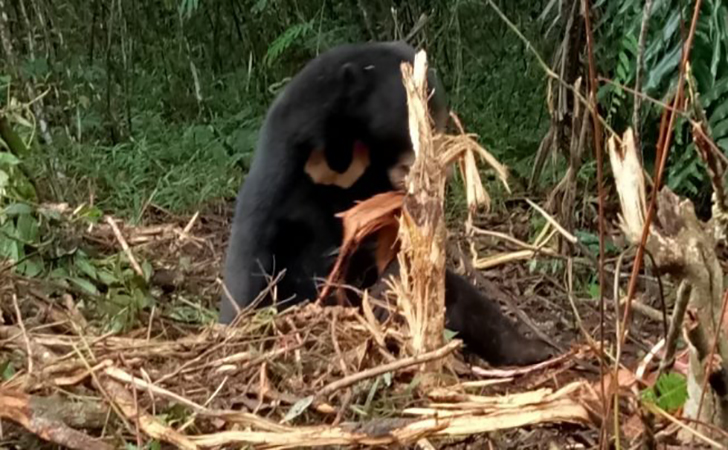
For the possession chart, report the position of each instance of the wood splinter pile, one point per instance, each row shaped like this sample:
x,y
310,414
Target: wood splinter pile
x,y
415,218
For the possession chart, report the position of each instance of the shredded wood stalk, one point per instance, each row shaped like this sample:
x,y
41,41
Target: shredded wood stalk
x,y
421,287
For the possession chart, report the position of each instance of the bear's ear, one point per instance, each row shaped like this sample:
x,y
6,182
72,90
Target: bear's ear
x,y
350,74
354,80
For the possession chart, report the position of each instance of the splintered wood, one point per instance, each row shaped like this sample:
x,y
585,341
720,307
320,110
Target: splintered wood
x,y
421,287
685,248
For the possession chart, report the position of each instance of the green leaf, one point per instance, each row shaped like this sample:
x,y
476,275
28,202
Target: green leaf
x,y
16,209
286,39
4,180
621,74
723,144
85,285
32,266
106,277
594,290
59,273
147,270
663,69
721,128
719,113
27,228
259,6
448,335
299,408
10,248
92,214
85,266
669,393
7,370
720,88
8,159
673,391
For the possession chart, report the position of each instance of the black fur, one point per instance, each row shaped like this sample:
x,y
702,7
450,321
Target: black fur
x,y
478,321
284,221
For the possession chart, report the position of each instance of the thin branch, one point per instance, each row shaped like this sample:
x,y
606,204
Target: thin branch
x,y
678,314
600,195
127,250
663,151
646,13
389,367
25,334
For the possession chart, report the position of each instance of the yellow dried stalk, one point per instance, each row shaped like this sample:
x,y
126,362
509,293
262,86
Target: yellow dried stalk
x,y
421,287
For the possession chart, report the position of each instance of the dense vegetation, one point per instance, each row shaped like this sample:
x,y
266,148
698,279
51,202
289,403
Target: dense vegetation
x,y
124,104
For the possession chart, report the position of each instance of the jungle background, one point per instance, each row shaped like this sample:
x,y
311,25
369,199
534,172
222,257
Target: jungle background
x,y
149,111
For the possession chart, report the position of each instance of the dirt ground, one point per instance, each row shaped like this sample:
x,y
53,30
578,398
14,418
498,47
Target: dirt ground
x,y
187,270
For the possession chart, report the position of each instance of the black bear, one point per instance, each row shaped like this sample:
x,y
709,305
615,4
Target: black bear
x,y
346,98
347,102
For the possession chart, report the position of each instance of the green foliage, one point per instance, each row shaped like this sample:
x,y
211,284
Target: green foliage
x,y
494,83
187,7
175,167
7,370
620,26
36,240
19,239
16,128
591,241
287,39
669,393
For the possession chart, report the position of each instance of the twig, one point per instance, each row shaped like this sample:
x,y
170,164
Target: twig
x,y
568,236
102,389
337,348
151,321
657,411
646,13
134,264
506,237
120,375
389,367
189,225
600,196
511,373
149,424
678,314
194,415
25,334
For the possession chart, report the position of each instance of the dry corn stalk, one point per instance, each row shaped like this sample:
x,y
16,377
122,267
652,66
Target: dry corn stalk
x,y
421,287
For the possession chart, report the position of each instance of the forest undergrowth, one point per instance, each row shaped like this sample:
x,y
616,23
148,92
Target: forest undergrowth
x,y
126,130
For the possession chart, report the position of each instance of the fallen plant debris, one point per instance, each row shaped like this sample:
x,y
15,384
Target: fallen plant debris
x,y
310,376
209,372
